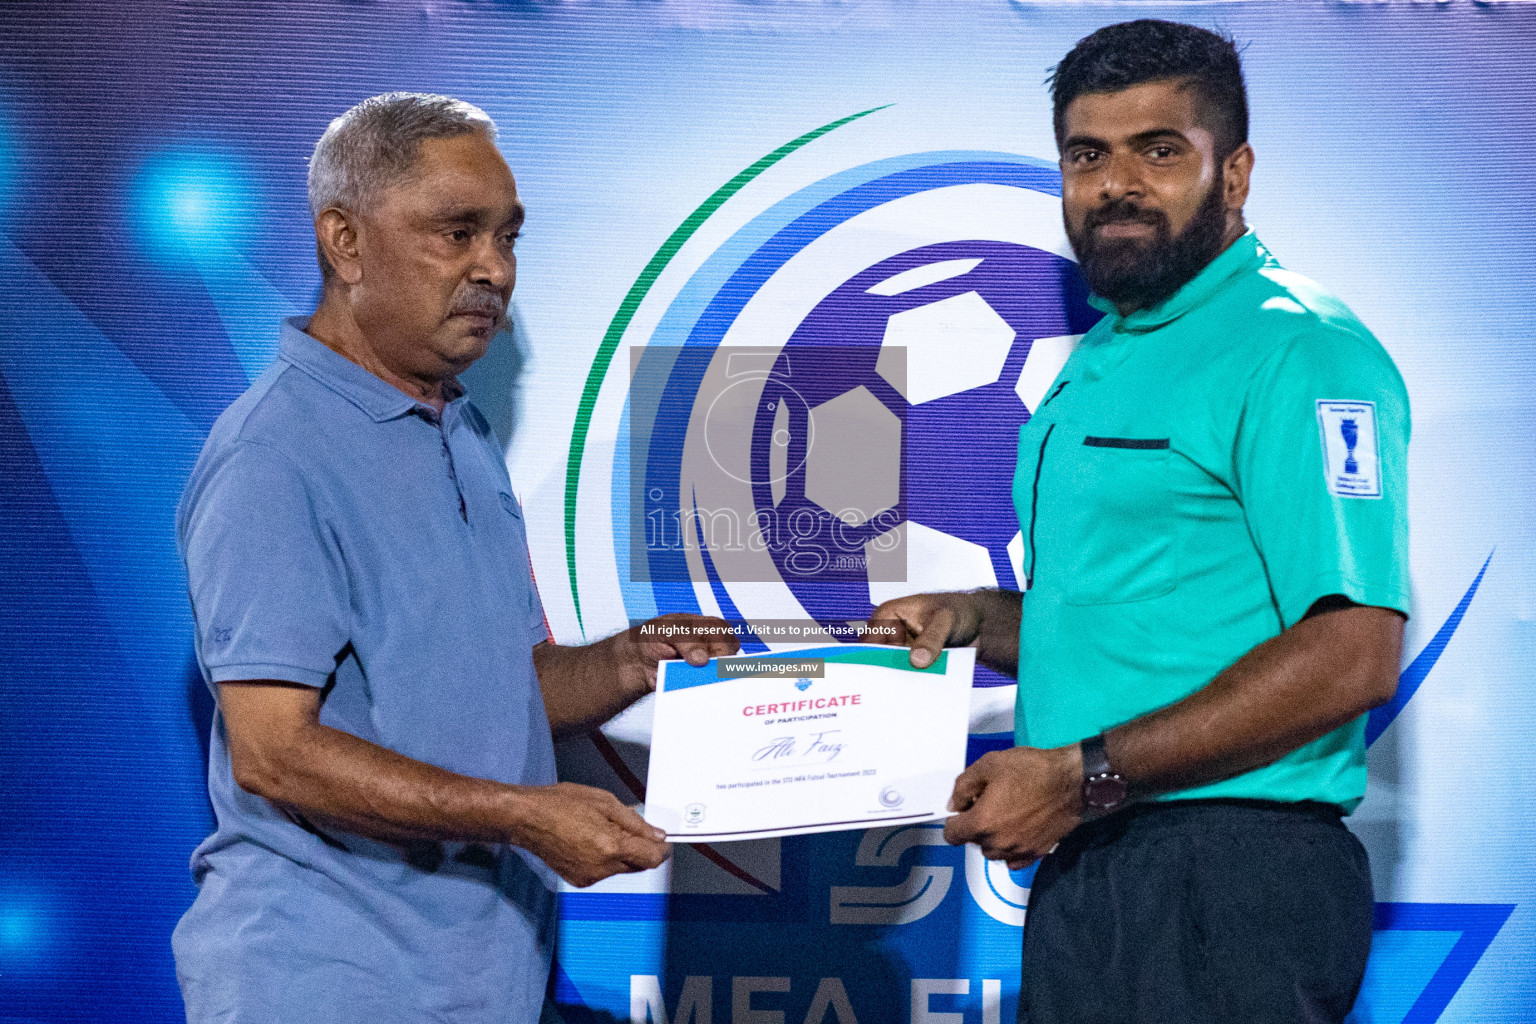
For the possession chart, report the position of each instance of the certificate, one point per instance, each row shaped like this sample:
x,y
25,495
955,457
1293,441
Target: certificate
x,y
815,740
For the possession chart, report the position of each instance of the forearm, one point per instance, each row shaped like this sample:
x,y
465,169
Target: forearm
x,y
340,779
997,638
1316,676
585,686
280,751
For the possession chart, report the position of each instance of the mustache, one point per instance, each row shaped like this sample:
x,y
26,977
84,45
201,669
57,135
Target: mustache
x,y
1123,211
479,303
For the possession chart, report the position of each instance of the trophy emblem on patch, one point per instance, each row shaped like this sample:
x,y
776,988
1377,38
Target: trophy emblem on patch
x,y
1351,432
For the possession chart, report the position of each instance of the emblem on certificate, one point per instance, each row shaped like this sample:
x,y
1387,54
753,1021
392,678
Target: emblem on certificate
x,y
752,742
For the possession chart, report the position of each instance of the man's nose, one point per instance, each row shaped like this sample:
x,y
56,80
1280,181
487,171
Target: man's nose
x,y
494,266
1122,177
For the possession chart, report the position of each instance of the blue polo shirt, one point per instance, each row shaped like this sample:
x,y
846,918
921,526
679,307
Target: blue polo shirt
x,y
340,535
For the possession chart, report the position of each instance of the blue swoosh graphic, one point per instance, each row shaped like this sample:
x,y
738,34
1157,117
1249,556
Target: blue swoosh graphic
x,y
1468,929
1408,683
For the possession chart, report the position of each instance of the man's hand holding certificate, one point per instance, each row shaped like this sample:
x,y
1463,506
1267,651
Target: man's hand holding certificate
x,y
847,736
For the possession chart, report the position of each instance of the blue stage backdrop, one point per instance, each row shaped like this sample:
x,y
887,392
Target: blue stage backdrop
x,y
709,175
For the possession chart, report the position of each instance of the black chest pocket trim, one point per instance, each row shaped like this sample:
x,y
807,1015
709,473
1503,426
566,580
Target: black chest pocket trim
x,y
1120,538
1144,443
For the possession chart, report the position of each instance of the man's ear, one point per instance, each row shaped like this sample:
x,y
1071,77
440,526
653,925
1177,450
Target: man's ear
x,y
1237,169
336,232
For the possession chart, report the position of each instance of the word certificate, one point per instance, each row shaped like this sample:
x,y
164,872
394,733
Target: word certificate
x,y
815,740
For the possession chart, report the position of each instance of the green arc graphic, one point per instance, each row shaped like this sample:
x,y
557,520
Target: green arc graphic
x,y
626,313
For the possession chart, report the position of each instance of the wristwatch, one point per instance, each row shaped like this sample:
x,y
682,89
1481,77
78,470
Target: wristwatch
x,y
1104,789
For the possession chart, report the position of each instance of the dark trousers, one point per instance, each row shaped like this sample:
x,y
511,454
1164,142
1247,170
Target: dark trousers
x,y
1199,912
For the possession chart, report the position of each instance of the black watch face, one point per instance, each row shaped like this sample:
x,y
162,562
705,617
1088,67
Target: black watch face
x,y
1104,792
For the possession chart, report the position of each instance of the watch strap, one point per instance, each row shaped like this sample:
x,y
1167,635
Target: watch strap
x,y
1104,790
1095,757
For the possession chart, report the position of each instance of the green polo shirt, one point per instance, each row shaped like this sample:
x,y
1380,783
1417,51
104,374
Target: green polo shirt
x,y
1199,474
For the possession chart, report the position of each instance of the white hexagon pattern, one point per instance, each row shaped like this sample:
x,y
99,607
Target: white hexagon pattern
x,y
854,468
935,561
1046,358
953,345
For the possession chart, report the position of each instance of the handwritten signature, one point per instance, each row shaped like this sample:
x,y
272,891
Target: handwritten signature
x,y
818,747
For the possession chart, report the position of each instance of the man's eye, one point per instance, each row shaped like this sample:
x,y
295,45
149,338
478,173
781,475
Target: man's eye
x,y
1161,152
459,235
1085,157
509,239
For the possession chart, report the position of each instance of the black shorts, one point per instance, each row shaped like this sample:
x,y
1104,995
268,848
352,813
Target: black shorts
x,y
1199,912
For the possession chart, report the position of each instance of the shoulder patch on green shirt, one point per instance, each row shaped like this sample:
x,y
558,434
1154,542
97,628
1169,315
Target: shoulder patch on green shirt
x,y
1349,448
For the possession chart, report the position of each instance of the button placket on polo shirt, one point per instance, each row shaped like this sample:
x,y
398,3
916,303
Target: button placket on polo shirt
x,y
440,422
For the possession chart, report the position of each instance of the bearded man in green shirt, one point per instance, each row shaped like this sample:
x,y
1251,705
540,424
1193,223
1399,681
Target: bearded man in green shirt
x,y
1213,500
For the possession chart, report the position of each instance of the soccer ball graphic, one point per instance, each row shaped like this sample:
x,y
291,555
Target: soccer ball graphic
x,y
893,414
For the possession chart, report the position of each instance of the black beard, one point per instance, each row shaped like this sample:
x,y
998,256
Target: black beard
x,y
1137,275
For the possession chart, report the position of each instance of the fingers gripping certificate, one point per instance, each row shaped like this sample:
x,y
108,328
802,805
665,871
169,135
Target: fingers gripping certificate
x,y
850,736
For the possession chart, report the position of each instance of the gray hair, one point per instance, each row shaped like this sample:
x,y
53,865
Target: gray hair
x,y
374,144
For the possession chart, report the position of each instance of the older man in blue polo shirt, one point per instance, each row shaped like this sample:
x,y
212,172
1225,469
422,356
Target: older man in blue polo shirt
x,y
389,825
